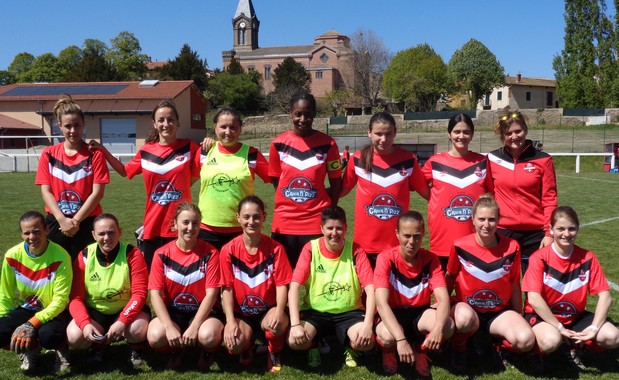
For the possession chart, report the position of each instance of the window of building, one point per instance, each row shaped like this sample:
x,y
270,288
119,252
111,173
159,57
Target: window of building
x,y
324,57
267,72
318,75
251,68
549,99
197,116
487,100
499,95
527,96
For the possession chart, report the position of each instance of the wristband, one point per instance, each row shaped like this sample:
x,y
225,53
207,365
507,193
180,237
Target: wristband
x,y
400,340
594,328
298,324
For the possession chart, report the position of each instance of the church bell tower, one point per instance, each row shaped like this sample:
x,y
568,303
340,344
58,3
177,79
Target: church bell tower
x,y
245,26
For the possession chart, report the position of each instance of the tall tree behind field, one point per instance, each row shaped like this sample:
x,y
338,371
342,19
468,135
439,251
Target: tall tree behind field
x,y
126,57
586,68
186,66
370,61
93,67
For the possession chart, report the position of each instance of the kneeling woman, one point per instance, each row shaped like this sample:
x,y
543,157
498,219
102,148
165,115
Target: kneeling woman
x,y
184,287
334,272
485,268
255,273
108,295
405,277
559,279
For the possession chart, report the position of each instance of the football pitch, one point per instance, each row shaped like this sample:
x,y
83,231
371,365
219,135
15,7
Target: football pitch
x,y
593,194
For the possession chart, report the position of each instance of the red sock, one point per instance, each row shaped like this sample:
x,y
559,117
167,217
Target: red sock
x,y
593,346
275,343
458,340
506,345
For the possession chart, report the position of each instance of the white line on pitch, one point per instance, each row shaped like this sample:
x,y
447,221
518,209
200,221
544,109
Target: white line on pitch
x,y
599,221
613,285
588,179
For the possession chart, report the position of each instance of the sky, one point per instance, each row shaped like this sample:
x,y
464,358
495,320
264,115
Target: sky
x,y
524,35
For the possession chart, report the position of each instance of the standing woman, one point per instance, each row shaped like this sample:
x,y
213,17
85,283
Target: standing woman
x,y
484,267
184,286
72,181
227,175
299,161
456,179
524,184
255,273
385,175
560,278
169,167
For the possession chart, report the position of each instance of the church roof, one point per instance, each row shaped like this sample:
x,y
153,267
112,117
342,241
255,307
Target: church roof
x,y
277,51
330,33
245,7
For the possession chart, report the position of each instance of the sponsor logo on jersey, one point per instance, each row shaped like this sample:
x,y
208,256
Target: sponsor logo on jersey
x,y
165,193
222,182
185,302
112,294
484,299
299,190
253,304
383,207
32,303
212,161
333,291
320,269
529,168
69,202
95,277
460,208
564,309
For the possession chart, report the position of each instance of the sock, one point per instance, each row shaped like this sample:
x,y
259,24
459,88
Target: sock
x,y
275,343
593,346
458,340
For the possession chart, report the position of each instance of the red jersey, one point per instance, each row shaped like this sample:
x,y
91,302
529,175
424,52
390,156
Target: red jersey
x,y
302,164
525,187
167,172
485,276
139,279
254,278
183,277
456,184
362,264
564,283
408,285
381,196
71,177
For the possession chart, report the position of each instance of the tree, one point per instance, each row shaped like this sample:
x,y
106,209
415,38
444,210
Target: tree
x,y
475,70
6,78
93,67
69,58
21,63
45,68
416,76
241,91
235,67
186,66
124,55
586,68
370,60
337,100
288,77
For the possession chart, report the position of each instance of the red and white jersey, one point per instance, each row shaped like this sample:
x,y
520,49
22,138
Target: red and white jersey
x,y
167,171
457,183
71,178
485,276
302,164
254,278
525,187
183,277
564,283
408,285
382,196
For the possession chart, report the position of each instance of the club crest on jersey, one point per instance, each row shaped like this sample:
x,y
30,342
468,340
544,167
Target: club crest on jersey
x,y
165,193
403,172
180,157
111,294
529,167
484,299
563,308
425,278
87,168
253,305
383,207
299,190
320,156
33,303
507,265
478,172
460,208
69,202
185,302
333,291
222,182
582,276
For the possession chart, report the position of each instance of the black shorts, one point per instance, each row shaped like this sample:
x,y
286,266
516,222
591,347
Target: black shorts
x,y
333,324
529,241
580,323
293,244
408,318
107,320
217,239
184,319
151,245
372,256
73,245
486,319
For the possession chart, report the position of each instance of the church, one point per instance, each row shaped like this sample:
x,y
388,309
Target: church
x,y
328,60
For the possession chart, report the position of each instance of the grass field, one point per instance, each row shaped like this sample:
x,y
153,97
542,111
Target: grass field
x,y
594,195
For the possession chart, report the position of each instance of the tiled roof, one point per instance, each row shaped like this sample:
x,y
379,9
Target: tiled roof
x,y
524,81
246,7
331,33
130,90
280,51
156,65
7,122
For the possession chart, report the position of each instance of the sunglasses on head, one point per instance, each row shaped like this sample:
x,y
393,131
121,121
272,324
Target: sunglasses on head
x,y
514,115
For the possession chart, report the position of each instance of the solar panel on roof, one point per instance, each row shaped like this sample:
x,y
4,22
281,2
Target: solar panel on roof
x,y
71,90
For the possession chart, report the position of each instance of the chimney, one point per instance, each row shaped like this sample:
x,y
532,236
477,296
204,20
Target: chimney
x,y
519,77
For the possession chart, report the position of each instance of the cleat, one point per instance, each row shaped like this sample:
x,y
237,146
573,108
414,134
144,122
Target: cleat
x,y
313,358
422,365
274,363
350,357
62,363
29,360
390,363
205,360
176,360
135,359
324,347
574,359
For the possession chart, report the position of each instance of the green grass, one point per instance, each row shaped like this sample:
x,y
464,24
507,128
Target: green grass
x,y
592,193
